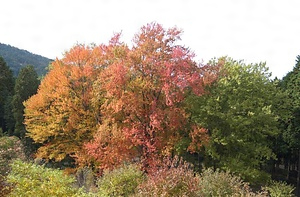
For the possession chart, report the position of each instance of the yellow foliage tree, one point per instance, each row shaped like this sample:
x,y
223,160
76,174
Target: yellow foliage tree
x,y
61,116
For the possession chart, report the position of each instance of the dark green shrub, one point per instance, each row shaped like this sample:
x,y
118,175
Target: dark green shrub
x,y
121,181
29,179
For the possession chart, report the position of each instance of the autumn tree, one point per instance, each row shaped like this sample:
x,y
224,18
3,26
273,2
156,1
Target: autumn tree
x,y
239,115
144,89
106,104
61,116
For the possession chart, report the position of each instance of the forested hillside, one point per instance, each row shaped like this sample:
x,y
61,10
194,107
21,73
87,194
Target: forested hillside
x,y
18,58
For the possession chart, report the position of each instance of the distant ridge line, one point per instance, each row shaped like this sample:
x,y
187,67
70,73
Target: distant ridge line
x,y
17,58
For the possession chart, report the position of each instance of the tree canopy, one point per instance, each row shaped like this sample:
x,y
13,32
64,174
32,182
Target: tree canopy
x,y
238,114
6,91
61,116
25,86
117,103
144,89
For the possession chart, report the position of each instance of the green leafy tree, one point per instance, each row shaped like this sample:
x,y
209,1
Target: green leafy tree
x,y
6,90
281,145
291,135
239,116
8,115
291,84
26,85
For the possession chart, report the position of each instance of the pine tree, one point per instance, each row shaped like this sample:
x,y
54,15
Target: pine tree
x,y
6,90
26,85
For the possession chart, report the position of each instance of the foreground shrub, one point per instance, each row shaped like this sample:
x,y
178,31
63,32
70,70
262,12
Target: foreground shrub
x,y
5,188
10,148
218,183
86,179
174,178
29,179
280,189
120,182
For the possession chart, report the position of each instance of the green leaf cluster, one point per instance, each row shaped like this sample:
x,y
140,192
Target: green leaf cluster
x,y
120,182
238,113
220,183
280,189
32,180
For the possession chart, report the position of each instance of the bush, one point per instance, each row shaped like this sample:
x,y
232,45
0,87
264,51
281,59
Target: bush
x,y
174,178
120,182
217,183
10,148
5,188
29,179
280,189
85,178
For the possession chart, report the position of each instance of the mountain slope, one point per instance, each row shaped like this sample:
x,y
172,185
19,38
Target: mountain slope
x,y
17,58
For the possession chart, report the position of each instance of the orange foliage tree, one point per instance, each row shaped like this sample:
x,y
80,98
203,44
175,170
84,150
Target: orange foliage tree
x,y
144,89
61,116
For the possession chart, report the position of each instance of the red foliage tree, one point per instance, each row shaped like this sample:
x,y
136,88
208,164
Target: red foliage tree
x,y
110,103
144,89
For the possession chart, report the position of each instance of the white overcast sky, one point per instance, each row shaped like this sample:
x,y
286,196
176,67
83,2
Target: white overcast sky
x,y
250,30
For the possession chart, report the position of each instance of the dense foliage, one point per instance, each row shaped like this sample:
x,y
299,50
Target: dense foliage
x,y
239,117
277,188
120,182
25,86
29,179
11,148
221,183
61,115
6,92
111,114
117,103
173,178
